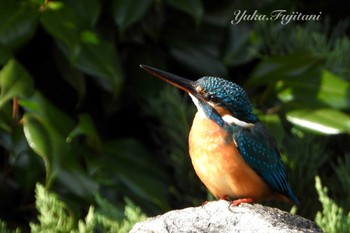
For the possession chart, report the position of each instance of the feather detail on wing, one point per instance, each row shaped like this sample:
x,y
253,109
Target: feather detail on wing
x,y
259,150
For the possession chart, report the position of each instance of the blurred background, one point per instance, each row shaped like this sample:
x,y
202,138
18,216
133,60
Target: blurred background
x,y
89,142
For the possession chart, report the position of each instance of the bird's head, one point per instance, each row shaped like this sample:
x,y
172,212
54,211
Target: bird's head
x,y
216,98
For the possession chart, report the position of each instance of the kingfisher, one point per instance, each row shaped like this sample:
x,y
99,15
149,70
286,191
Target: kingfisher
x,y
232,152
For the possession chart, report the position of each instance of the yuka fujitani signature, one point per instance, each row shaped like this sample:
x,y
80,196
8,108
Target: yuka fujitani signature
x,y
277,15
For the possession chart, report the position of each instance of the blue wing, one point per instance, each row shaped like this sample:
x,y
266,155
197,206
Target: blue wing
x,y
259,149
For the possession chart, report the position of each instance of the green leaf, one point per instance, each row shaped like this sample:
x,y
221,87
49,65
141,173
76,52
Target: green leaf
x,y
83,47
200,54
86,128
127,12
47,137
325,121
193,8
146,179
129,150
47,142
316,87
17,23
75,180
239,48
334,90
38,138
14,82
45,128
63,24
199,61
43,108
89,10
27,166
277,68
301,79
99,59
145,186
71,75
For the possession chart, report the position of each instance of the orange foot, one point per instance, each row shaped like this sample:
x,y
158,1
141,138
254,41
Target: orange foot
x,y
242,200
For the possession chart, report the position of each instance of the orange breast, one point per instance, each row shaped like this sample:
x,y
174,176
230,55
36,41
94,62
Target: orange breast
x,y
219,164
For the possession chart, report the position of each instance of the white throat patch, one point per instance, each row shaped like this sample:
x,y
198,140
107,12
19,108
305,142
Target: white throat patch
x,y
227,118
196,102
232,120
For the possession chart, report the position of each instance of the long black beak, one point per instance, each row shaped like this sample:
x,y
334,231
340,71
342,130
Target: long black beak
x,y
177,81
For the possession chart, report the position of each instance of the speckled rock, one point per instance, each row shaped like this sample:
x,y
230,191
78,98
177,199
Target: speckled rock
x,y
220,216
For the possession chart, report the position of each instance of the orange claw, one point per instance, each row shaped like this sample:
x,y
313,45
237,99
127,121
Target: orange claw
x,y
242,200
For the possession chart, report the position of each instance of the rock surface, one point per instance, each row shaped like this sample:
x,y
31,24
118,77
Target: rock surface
x,y
220,216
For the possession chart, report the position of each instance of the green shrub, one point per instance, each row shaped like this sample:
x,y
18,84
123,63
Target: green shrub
x,y
332,218
55,216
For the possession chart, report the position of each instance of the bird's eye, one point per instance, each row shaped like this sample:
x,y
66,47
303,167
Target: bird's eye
x,y
211,97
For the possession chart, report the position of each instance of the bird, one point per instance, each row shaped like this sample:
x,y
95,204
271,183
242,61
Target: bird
x,y
232,151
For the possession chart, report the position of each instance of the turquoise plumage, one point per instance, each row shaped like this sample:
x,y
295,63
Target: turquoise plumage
x,y
259,150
